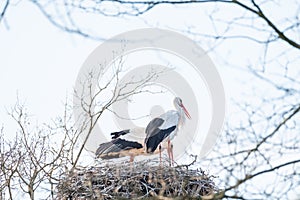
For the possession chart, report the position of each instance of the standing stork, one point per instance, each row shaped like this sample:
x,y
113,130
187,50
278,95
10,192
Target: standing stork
x,y
165,128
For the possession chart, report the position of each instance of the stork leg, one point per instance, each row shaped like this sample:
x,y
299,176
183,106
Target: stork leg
x,y
131,158
131,162
172,156
169,151
159,154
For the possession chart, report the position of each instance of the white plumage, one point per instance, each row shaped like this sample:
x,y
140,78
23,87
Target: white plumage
x,y
165,128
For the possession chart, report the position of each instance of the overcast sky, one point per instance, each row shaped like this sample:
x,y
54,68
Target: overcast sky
x,y
40,63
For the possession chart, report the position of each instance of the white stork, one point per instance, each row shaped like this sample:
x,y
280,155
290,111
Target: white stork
x,y
118,147
165,128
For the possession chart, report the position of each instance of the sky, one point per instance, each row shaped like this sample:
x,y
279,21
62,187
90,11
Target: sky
x,y
40,63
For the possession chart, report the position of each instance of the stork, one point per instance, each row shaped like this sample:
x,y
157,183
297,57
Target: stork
x,y
165,128
117,148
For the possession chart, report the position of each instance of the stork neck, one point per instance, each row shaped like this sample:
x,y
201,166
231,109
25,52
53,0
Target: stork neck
x,y
181,114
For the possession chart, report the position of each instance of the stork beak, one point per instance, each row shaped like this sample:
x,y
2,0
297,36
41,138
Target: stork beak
x,y
186,112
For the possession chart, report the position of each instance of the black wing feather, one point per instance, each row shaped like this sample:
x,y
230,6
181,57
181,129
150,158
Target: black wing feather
x,y
153,125
115,135
156,137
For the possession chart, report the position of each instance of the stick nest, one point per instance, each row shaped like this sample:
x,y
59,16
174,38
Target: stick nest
x,y
139,180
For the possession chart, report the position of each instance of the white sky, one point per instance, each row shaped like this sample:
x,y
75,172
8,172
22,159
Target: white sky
x,y
40,62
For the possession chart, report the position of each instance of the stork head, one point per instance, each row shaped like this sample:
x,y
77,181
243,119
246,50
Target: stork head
x,y
179,105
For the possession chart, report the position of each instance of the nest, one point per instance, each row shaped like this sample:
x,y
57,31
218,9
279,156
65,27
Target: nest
x,y
146,179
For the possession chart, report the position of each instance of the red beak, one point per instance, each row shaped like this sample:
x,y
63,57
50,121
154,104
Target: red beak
x,y
186,112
